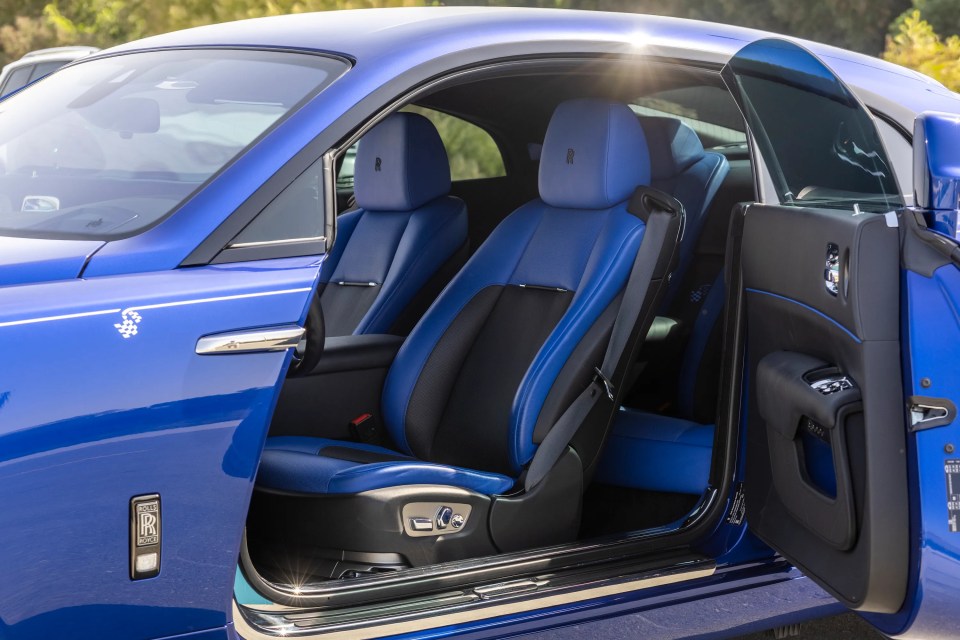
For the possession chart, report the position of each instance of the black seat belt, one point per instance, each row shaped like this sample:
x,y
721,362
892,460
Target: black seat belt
x,y
655,258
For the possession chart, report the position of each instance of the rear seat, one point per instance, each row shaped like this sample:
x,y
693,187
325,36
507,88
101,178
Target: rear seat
x,y
646,450
671,454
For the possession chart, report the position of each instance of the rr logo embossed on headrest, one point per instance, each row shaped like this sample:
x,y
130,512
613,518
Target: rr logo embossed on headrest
x,y
570,154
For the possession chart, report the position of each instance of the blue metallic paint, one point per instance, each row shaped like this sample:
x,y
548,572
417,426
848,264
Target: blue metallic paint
x,y
91,418
936,170
932,316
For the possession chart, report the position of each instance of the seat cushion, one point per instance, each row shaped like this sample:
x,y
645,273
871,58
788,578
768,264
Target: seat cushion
x,y
299,464
657,453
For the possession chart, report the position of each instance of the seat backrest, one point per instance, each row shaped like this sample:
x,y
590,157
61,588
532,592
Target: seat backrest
x,y
405,229
514,336
681,167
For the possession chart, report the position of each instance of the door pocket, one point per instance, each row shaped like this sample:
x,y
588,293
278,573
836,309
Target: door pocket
x,y
808,406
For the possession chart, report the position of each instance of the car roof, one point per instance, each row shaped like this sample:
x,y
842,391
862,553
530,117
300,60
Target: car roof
x,y
424,33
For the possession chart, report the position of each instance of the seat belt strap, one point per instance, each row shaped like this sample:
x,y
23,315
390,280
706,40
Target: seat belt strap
x,y
663,216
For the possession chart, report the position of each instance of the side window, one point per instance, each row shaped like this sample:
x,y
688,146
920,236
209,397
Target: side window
x,y
901,157
18,79
295,215
710,111
44,69
472,151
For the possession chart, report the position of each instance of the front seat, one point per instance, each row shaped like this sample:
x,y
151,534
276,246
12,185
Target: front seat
x,y
405,230
483,377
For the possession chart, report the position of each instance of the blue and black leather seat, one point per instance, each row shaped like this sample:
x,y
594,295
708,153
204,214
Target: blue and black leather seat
x,y
405,229
673,453
681,167
670,454
485,374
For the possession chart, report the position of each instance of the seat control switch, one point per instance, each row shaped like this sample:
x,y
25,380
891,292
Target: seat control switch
x,y
443,517
421,524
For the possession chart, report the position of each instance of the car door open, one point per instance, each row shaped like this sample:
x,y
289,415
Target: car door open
x,y
826,465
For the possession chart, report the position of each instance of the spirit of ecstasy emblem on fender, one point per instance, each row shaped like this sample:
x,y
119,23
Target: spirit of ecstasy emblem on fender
x,y
128,328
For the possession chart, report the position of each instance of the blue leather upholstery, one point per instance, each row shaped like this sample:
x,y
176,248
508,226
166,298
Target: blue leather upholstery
x,y
683,169
657,453
401,164
583,164
297,464
580,239
646,450
406,229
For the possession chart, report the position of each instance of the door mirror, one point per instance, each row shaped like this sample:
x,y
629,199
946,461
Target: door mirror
x,y
936,170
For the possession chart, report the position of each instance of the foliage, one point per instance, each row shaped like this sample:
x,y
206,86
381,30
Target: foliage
x,y
943,15
916,45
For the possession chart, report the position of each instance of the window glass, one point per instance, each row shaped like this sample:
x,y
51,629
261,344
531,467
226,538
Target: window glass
x,y
109,146
472,152
821,146
296,214
710,111
44,69
17,79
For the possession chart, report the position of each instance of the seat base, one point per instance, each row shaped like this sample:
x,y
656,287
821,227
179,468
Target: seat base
x,y
309,534
302,538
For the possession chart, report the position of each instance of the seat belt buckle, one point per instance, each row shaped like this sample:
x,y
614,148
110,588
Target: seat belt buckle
x,y
607,385
363,428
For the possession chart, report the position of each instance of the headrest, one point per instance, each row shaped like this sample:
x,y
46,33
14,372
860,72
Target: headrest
x,y
594,155
401,164
673,145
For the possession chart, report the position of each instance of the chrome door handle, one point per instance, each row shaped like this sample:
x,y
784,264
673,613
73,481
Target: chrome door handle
x,y
251,340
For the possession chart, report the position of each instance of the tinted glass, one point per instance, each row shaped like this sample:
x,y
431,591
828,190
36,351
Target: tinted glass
x,y
472,152
17,79
296,214
45,68
109,146
710,111
820,144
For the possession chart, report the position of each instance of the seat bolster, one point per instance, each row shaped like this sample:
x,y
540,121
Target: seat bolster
x,y
296,464
695,189
346,224
657,453
604,277
433,234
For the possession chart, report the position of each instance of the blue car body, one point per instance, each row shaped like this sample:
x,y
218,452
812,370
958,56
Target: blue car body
x,y
103,396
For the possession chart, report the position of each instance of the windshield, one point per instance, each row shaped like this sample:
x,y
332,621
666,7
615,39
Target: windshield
x,y
107,147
